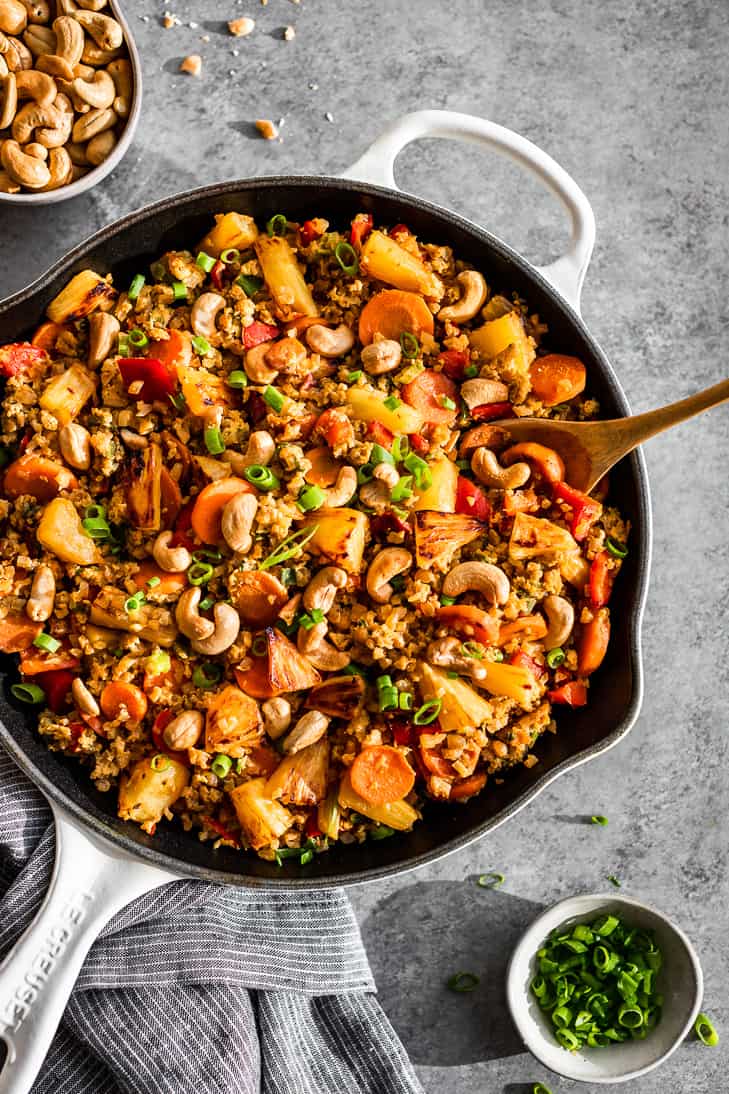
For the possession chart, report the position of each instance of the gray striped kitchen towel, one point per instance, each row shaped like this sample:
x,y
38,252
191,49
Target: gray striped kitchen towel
x,y
196,988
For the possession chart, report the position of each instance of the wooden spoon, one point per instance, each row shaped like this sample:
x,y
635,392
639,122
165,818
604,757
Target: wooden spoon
x,y
590,449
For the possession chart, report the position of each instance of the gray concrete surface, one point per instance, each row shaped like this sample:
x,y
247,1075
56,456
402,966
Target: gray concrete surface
x,y
632,99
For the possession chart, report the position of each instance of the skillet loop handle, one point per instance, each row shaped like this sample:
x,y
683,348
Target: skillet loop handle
x,y
91,882
567,273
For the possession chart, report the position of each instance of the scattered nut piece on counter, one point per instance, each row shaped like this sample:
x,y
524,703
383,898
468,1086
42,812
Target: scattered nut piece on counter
x,y
267,129
169,20
242,27
289,34
192,65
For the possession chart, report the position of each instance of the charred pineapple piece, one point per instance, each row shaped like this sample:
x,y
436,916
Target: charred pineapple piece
x,y
262,820
84,293
61,532
283,277
65,396
536,537
144,493
385,260
398,815
339,537
301,779
231,230
153,785
337,696
233,723
149,621
439,535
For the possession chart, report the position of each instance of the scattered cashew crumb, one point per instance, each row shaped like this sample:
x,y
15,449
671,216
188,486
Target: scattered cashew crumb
x,y
329,116
242,27
289,34
192,65
193,26
169,20
267,129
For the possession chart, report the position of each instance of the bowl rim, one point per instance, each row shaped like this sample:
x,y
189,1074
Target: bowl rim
x,y
530,938
89,180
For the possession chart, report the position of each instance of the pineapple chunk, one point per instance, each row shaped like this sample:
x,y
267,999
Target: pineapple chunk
x,y
233,723
494,336
66,394
439,535
511,682
337,696
574,568
144,493
535,537
148,791
301,779
339,537
231,230
281,670
284,279
462,706
440,496
262,820
398,815
149,621
38,476
202,389
84,293
369,406
61,532
385,260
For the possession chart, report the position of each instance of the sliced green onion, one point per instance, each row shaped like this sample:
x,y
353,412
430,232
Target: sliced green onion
x,y
402,490
28,693
124,346
599,819
382,831
205,261
214,440
392,402
428,712
405,700
137,338
207,554
409,344
420,470
249,284
447,403
261,476
473,649
491,881
277,225
400,448
353,669
346,256
259,646
631,1016
96,528
470,371
365,473
221,765
199,573
288,576
179,292
614,881
237,378
540,1088
207,675
160,762
381,455
310,498
46,642
206,603
446,601
555,657
178,401
136,287
615,548
705,1031
200,345
463,981
354,377
274,398
288,548
153,582
497,655
230,255
306,857
134,603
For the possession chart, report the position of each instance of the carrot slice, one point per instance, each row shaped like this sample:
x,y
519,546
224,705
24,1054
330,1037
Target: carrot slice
x,y
17,633
166,584
435,764
593,643
38,476
381,774
47,335
119,697
557,378
254,680
258,596
471,622
528,627
391,313
547,462
207,511
432,393
467,788
173,352
34,662
324,468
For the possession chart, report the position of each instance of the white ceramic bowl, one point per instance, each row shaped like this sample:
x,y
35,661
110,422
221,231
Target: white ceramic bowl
x,y
680,982
73,189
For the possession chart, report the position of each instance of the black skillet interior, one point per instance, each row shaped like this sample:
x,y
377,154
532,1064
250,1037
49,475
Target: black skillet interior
x,y
128,248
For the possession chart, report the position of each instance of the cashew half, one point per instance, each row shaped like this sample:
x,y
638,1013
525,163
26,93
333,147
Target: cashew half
x,y
8,99
382,356
33,116
93,123
121,73
36,85
260,450
330,343
74,443
173,560
384,566
184,730
26,170
480,577
103,331
473,297
489,471
57,136
204,313
480,391
375,495
193,625
39,11
227,627
255,365
320,653
237,522
13,16
343,490
60,167
99,91
83,698
308,730
41,601
40,40
446,654
69,39
561,618
101,146
322,590
276,716
105,31
385,472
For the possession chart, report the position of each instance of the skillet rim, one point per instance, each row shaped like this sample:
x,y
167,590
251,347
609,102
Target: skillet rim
x,y
633,651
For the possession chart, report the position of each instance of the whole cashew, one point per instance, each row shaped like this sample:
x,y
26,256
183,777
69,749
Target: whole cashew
x,y
320,653
40,40
27,170
184,730
103,331
96,56
60,167
33,116
193,625
375,495
308,730
173,560
55,66
121,73
385,472
105,31
58,136
41,601
204,313
91,5
276,716
480,577
89,125
133,440
479,391
473,298
36,85
384,566
446,654
16,53
489,471
382,356
66,7
69,39
74,443
39,11
343,490
260,450
9,99
13,16
561,618
255,365
227,627
8,185
83,698
99,91
237,522
101,146
330,343
322,590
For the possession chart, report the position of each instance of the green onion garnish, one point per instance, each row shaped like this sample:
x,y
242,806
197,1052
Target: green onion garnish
x,y
705,1031
310,498
490,881
381,455
179,292
160,762
46,642
274,398
409,344
28,693
470,371
555,657
199,573
365,473
428,712
615,548
472,649
205,261
261,476
153,582
614,881
540,1088
405,700
207,554
136,287
447,403
463,981
134,603
124,346
420,470
137,338
306,857
230,255
599,819
392,402
259,646
288,548
200,345
354,377
178,401
249,284
205,603
221,765
207,675
382,831
346,256
277,225
96,528
288,576
400,448
214,440
237,379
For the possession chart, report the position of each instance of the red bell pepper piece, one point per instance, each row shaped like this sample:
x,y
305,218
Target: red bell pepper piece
x,y
418,443
76,729
20,357
602,576
491,412
312,229
380,434
471,500
386,522
156,379
256,406
399,230
573,694
524,661
221,830
217,275
454,362
334,426
311,828
56,686
257,332
403,732
362,225
585,510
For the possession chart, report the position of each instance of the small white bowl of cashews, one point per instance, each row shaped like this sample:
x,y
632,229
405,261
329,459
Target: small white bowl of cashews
x,y
70,96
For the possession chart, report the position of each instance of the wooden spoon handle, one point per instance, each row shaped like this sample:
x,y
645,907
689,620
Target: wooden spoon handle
x,y
641,427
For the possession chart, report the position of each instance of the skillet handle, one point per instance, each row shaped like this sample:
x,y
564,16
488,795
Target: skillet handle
x,y
91,882
567,273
